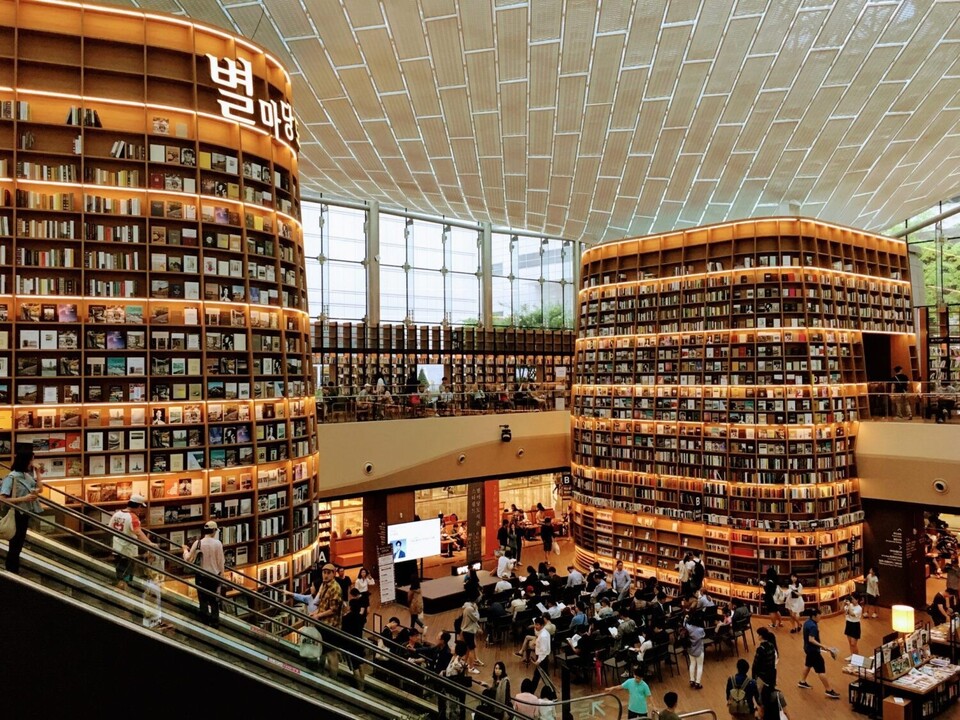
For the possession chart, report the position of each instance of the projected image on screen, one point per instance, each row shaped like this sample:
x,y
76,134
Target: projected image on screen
x,y
431,376
415,540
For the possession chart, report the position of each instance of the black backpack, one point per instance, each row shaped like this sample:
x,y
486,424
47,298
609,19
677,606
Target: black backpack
x,y
683,637
699,573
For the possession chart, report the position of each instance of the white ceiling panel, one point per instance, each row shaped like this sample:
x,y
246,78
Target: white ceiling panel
x,y
592,120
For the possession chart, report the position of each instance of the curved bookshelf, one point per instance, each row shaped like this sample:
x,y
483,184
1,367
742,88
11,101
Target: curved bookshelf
x,y
719,383
153,325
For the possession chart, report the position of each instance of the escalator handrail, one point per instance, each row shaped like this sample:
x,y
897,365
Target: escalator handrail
x,y
327,630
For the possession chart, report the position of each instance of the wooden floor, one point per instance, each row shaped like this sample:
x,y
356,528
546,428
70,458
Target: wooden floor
x,y
802,704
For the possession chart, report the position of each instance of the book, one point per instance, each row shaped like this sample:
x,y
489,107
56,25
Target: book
x,y
161,125
67,312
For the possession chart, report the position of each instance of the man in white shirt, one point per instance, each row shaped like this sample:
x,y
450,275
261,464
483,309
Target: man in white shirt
x,y
621,581
542,648
553,609
503,585
505,564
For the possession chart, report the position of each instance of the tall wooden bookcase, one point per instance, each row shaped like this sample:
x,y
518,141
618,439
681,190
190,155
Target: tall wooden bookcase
x,y
941,326
352,354
719,381
153,332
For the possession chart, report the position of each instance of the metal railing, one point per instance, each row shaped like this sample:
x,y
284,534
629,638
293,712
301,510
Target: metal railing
x,y
372,406
395,673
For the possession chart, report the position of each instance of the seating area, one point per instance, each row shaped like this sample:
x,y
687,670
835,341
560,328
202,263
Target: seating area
x,y
347,551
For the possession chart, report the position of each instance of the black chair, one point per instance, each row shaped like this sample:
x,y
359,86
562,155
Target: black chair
x,y
523,620
740,630
674,653
497,629
655,657
617,664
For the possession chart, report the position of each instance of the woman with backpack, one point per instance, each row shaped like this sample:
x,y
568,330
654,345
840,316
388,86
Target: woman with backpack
x,y
770,583
741,693
765,658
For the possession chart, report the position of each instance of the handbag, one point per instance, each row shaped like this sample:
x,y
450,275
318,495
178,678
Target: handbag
x,y
8,523
783,713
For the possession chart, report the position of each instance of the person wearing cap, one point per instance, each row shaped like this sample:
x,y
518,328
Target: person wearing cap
x,y
365,402
126,522
210,549
329,612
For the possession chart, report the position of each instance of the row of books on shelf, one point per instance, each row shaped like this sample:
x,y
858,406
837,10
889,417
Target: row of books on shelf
x,y
134,315
718,520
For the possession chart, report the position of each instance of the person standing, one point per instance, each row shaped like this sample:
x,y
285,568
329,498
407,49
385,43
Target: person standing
x,y
685,569
621,581
541,649
363,584
900,385
526,703
696,633
741,693
503,536
852,612
469,627
126,521
498,689
770,583
670,701
515,539
771,702
329,612
698,573
813,649
21,488
212,561
765,659
953,583
794,603
546,535
638,691
353,623
872,587
415,604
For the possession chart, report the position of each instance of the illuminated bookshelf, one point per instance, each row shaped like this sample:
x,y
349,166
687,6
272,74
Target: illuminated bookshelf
x,y
719,384
152,293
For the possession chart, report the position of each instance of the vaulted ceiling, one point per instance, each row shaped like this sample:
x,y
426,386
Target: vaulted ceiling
x,y
597,120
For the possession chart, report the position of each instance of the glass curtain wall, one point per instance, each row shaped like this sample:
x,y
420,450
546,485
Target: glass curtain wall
x,y
335,245
938,249
430,271
532,281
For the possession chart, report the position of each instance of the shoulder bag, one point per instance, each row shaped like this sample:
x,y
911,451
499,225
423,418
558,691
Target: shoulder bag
x,y
8,523
198,556
783,713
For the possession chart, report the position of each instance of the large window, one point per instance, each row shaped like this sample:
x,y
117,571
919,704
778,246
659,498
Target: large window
x,y
430,271
532,281
335,248
937,247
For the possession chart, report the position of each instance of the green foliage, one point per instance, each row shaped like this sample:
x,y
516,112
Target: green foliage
x,y
943,274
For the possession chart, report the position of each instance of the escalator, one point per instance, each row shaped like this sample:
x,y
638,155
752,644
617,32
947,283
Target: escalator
x,y
73,640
